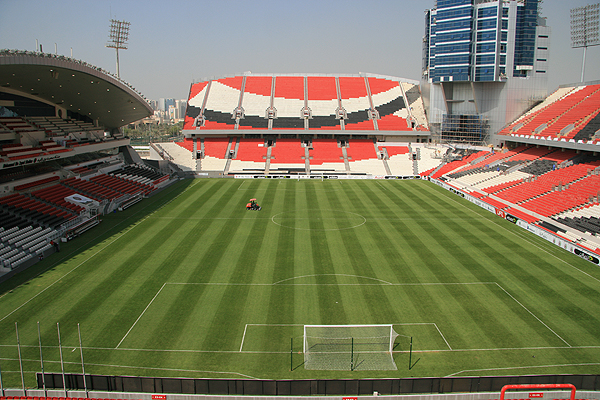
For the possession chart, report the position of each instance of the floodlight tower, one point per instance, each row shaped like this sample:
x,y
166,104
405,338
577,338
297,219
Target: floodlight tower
x,y
584,29
118,36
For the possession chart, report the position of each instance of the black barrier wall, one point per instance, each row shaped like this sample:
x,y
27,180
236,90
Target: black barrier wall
x,y
307,387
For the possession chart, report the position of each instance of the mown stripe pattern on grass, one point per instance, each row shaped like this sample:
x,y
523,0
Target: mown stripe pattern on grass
x,y
170,286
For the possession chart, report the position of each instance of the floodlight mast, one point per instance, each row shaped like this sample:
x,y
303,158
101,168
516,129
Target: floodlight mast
x,y
585,24
118,36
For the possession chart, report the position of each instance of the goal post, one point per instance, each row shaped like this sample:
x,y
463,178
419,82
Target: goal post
x,y
349,347
569,386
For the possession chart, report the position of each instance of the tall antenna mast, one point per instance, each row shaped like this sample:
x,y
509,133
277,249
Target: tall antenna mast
x,y
118,36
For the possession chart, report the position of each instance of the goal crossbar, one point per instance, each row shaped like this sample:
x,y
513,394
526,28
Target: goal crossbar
x,y
338,347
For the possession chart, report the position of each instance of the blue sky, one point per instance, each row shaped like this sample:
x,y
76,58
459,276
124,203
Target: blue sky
x,y
173,43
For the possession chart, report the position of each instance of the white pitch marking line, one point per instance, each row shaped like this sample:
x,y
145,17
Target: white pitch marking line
x,y
127,230
243,337
247,325
533,315
172,369
523,367
136,321
442,335
379,183
353,276
287,352
530,242
66,274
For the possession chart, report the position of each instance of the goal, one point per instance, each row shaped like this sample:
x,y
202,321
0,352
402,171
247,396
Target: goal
x,y
349,347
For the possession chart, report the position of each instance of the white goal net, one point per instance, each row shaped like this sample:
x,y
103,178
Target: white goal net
x,y
349,347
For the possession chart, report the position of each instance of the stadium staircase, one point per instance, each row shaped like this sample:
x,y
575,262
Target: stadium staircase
x,y
384,157
268,160
346,162
306,161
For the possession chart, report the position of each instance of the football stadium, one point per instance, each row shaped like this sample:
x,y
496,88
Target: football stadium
x,y
313,234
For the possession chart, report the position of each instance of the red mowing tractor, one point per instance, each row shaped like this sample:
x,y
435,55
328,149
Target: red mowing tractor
x,y
252,205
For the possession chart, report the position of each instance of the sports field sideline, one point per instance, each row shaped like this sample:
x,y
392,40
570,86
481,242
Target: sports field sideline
x,y
190,284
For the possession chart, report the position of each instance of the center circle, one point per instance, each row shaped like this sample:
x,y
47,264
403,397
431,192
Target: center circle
x,y
318,220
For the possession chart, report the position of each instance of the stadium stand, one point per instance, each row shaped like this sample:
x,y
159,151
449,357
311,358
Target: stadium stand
x,y
223,94
187,144
544,183
393,150
569,113
60,169
32,184
584,219
368,166
325,151
122,185
312,102
415,104
288,151
355,102
56,195
322,101
361,149
288,102
389,102
256,102
429,158
400,161
215,147
252,150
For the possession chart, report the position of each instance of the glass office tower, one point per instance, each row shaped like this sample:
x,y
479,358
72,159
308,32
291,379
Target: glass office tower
x,y
484,64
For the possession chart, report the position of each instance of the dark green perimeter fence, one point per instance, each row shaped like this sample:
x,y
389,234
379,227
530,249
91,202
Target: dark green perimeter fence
x,y
307,387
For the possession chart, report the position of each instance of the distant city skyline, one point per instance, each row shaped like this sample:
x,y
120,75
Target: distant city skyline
x,y
170,48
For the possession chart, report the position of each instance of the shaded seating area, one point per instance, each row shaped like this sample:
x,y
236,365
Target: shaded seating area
x,y
91,189
139,174
55,195
35,183
34,210
121,185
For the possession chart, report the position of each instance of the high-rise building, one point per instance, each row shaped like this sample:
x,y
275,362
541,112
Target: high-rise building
x,y
180,105
485,62
163,104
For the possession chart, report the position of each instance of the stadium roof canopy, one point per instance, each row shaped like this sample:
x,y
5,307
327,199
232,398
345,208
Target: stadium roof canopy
x,y
73,85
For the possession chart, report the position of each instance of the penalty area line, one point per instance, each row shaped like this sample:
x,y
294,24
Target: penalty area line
x,y
246,328
533,315
136,321
243,337
442,335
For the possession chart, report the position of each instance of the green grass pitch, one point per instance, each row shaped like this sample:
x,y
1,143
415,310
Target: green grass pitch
x,y
190,284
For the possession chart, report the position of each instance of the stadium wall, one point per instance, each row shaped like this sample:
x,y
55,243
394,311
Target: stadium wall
x,y
477,388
